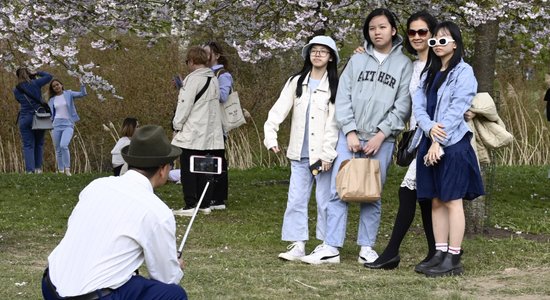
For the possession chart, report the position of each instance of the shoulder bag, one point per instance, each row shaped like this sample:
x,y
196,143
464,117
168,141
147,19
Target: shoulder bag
x,y
359,180
403,156
231,111
42,118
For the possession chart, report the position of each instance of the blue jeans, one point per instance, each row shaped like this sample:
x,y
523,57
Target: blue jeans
x,y
33,143
136,288
369,215
62,134
295,222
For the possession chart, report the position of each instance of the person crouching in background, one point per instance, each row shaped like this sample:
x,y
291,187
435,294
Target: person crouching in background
x,y
129,125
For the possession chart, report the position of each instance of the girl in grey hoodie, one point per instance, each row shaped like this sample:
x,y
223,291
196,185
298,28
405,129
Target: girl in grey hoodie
x,y
372,106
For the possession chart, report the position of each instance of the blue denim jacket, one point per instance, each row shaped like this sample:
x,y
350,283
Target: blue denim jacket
x,y
69,97
454,98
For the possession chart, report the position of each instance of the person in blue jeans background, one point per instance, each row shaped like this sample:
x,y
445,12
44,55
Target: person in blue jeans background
x,y
29,95
64,117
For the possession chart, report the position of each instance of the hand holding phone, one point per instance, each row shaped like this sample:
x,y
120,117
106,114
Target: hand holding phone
x,y
177,82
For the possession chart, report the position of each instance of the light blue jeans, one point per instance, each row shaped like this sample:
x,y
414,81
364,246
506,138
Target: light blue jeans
x,y
62,134
295,221
369,215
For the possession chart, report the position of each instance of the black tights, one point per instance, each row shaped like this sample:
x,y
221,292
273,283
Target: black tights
x,y
403,221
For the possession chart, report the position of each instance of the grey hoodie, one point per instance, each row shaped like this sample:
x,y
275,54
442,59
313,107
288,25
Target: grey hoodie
x,y
373,96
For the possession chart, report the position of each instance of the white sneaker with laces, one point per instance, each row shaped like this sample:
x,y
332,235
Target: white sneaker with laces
x,y
295,251
367,255
323,254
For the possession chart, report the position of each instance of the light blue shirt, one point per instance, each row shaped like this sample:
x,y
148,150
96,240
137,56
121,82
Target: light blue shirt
x,y
226,82
312,86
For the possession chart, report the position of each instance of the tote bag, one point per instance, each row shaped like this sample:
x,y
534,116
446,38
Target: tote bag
x,y
232,113
358,180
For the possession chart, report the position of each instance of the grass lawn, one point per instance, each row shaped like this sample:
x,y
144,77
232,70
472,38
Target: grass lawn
x,y
233,254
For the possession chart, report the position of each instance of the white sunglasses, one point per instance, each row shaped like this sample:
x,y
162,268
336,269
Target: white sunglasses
x,y
444,41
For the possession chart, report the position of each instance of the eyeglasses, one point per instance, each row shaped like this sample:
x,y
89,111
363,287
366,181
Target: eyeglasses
x,y
444,41
321,53
421,32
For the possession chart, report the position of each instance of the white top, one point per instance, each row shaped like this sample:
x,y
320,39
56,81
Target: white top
x,y
117,159
61,108
380,56
116,226
410,178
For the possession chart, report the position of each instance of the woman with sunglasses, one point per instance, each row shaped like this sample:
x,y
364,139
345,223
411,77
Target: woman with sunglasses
x,y
420,26
447,167
310,94
372,106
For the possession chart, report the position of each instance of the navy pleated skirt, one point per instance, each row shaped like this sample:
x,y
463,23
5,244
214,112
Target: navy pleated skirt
x,y
455,176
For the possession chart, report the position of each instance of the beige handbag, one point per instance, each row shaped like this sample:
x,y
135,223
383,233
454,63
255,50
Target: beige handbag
x,y
359,180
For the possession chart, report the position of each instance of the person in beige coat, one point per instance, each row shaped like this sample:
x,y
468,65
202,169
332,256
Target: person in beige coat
x,y
310,94
198,127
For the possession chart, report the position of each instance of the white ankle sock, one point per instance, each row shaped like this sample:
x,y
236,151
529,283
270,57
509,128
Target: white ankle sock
x,y
442,246
454,250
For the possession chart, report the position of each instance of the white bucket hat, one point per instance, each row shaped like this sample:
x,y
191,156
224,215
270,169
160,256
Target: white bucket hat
x,y
321,40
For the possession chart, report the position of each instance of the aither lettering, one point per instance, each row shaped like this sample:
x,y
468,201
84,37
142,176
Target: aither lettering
x,y
383,77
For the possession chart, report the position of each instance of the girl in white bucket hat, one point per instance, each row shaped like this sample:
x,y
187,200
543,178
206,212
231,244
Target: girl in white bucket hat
x,y
310,94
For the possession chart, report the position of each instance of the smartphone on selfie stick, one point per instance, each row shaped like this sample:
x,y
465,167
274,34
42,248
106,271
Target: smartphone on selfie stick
x,y
203,165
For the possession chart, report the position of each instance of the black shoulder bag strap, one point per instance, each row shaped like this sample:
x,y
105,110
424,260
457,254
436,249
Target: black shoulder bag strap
x,y
197,97
201,92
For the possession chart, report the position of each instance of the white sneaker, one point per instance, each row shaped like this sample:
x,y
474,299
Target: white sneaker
x,y
68,172
183,212
189,212
205,211
323,254
217,207
295,251
367,255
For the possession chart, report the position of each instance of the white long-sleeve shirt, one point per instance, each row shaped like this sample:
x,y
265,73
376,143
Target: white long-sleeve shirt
x,y
116,226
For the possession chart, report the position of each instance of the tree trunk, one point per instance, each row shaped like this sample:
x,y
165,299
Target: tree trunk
x,y
483,62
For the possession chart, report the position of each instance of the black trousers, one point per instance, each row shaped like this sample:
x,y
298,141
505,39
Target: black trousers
x,y
221,184
193,183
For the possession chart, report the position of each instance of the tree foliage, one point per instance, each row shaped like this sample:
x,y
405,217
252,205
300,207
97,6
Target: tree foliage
x,y
49,32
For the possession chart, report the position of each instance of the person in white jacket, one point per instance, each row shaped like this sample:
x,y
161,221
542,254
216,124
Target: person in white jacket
x,y
310,93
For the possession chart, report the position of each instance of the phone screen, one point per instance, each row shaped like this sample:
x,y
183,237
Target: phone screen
x,y
209,165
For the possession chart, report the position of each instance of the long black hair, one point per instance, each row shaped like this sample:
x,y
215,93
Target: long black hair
x,y
433,65
332,73
425,16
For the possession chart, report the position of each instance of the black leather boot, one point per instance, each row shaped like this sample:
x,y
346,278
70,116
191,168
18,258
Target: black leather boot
x,y
450,265
423,266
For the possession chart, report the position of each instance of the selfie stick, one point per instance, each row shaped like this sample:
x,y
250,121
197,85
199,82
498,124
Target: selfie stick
x,y
180,249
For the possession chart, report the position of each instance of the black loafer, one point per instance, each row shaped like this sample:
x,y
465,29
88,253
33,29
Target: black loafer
x,y
387,265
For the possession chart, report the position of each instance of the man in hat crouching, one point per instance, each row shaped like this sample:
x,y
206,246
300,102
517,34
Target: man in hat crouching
x,y
116,226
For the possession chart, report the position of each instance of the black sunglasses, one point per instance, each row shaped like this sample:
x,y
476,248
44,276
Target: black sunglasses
x,y
421,32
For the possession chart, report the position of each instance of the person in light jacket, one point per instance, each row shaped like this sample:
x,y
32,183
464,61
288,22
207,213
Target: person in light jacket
x,y
64,117
447,167
198,127
372,106
310,94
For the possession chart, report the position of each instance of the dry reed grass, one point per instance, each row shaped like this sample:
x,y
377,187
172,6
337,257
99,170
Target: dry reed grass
x,y
143,77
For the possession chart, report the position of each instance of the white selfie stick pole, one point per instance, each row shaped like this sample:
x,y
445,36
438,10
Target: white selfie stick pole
x,y
180,249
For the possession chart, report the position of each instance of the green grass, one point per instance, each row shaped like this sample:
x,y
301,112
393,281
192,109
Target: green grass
x,y
233,254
